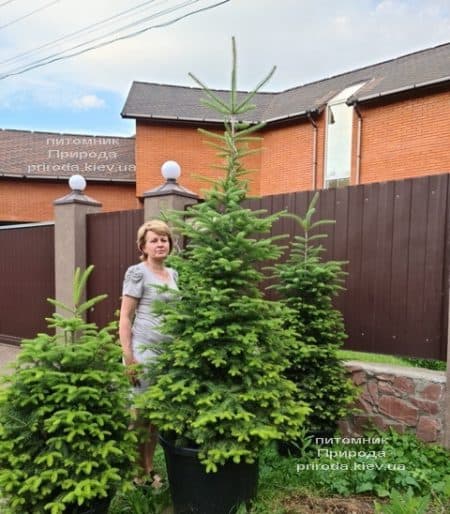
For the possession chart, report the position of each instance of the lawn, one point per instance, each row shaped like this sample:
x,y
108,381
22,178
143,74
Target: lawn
x,y
392,359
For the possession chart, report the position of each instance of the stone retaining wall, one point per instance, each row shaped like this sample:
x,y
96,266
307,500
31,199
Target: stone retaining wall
x,y
398,397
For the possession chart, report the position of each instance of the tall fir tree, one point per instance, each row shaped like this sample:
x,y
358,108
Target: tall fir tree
x,y
219,382
308,284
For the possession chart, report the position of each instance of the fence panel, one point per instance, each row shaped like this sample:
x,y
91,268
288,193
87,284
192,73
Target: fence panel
x,y
27,274
393,236
111,247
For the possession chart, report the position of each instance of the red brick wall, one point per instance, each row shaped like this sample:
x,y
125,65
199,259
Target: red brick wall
x,y
408,138
286,161
30,200
157,144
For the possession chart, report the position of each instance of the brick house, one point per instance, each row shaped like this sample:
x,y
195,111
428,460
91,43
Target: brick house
x,y
35,167
382,122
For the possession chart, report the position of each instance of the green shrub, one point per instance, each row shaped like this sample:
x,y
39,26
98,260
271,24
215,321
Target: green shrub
x,y
308,285
64,439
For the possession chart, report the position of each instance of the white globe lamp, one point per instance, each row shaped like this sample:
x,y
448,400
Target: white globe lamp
x,y
77,183
171,170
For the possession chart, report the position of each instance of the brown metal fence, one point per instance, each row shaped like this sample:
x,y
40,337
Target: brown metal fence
x,y
395,237
27,278
111,247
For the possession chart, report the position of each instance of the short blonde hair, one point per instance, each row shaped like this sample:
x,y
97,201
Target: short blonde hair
x,y
157,226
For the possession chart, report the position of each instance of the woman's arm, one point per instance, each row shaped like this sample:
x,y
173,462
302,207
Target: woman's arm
x,y
127,311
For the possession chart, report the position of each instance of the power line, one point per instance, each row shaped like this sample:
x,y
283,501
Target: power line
x,y
186,3
88,29
59,57
100,45
7,2
28,14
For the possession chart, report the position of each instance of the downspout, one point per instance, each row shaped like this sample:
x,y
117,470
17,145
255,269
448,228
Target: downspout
x,y
314,151
358,144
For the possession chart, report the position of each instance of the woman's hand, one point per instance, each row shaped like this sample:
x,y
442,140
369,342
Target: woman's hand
x,y
132,371
127,312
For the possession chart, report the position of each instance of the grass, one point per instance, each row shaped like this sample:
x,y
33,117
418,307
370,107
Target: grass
x,y
392,359
372,357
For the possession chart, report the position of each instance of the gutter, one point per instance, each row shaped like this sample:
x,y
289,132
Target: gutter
x,y
314,150
300,114
177,118
358,143
59,177
353,100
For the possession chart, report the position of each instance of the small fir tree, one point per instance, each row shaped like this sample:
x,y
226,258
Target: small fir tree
x,y
219,382
308,285
65,443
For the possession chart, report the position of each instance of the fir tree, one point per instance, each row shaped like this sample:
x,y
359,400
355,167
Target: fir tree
x,y
65,443
219,382
308,284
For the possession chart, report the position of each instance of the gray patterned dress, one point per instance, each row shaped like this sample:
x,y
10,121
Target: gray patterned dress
x,y
141,283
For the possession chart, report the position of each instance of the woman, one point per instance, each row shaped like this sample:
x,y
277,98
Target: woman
x,y
138,326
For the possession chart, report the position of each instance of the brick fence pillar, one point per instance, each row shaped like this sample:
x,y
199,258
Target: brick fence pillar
x,y
70,237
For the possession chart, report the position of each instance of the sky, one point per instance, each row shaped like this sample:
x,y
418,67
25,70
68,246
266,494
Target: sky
x,y
307,40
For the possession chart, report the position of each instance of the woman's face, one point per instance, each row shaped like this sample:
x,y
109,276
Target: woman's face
x,y
156,246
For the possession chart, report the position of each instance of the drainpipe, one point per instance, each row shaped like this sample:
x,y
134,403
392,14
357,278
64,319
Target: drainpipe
x,y
358,144
314,151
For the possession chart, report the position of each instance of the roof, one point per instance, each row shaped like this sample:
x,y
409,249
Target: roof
x,y
50,155
179,103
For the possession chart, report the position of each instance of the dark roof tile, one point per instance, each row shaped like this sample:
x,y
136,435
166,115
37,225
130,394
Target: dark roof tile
x,y
167,102
51,155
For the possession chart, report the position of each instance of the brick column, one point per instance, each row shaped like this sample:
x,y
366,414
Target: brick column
x,y
70,240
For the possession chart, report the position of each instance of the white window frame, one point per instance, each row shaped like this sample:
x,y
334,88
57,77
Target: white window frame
x,y
331,179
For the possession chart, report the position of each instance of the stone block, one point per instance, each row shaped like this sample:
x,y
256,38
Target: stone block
x,y
398,409
363,405
432,392
366,421
385,388
427,429
372,388
359,377
398,427
344,428
367,397
385,377
425,405
404,384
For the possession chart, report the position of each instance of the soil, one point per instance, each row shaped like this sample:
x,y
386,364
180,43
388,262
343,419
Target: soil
x,y
305,505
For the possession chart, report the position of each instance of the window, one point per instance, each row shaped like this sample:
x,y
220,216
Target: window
x,y
338,146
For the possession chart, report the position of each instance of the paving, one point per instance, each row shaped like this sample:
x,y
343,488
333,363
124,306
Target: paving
x,y
8,353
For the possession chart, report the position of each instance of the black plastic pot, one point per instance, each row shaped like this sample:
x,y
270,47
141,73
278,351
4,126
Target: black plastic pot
x,y
194,491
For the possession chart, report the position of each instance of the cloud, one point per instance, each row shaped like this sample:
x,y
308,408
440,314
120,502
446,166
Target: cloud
x,y
306,39
88,102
